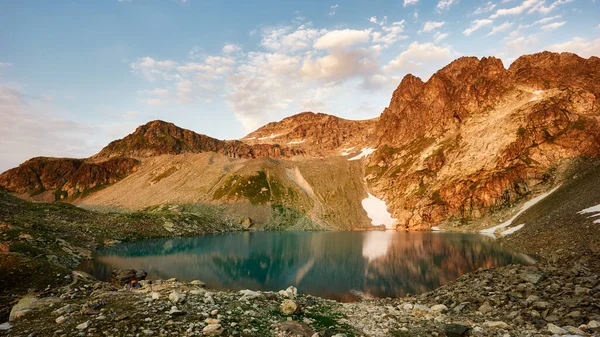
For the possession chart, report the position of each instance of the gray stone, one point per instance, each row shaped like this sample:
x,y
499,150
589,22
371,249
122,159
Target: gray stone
x,y
198,283
289,307
556,329
456,330
532,276
581,291
5,326
496,324
294,328
83,325
485,308
125,276
439,308
176,297
212,330
67,309
175,311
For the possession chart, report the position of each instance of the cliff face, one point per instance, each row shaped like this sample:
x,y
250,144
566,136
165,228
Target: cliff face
x,y
477,138
317,133
64,177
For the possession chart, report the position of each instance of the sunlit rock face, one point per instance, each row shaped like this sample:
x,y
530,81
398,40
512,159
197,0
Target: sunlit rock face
x,y
341,265
477,137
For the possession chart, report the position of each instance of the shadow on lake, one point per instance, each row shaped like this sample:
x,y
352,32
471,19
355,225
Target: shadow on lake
x,y
335,265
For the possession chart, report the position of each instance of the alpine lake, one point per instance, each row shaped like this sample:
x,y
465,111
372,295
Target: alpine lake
x,y
343,266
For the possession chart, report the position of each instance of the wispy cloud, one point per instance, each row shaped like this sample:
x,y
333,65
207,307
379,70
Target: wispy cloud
x,y
553,26
500,28
231,48
410,2
477,24
439,37
431,26
445,4
333,9
485,8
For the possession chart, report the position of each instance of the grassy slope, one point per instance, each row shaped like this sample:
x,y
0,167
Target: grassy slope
x,y
263,189
39,241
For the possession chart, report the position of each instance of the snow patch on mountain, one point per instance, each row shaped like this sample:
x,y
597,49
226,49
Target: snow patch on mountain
x,y
491,231
377,211
364,153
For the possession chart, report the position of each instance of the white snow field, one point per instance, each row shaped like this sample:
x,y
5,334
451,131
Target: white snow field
x,y
377,211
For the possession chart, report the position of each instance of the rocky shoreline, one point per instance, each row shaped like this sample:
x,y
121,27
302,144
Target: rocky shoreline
x,y
514,300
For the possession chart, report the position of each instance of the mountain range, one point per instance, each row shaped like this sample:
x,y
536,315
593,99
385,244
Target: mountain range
x,y
459,150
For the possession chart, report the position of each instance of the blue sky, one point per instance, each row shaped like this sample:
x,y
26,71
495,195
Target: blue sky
x,y
76,74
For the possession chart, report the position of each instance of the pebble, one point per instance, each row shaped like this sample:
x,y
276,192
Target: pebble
x,y
83,325
288,307
176,297
212,330
496,324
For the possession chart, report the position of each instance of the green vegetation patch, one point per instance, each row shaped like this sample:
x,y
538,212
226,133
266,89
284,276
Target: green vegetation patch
x,y
165,174
254,188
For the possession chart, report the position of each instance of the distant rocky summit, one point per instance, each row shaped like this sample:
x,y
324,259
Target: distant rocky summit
x,y
459,150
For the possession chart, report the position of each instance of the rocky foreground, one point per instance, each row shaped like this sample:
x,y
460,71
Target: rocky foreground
x,y
508,301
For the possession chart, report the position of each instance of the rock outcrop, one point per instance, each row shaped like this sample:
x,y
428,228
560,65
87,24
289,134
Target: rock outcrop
x,y
477,138
159,138
317,133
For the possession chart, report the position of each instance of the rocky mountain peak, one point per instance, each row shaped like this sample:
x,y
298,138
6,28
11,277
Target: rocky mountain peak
x,y
317,133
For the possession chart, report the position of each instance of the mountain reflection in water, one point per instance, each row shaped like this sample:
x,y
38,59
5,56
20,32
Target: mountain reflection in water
x,y
336,265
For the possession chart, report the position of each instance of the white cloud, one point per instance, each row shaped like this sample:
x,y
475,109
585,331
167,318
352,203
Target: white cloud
x,y
578,45
151,69
439,37
418,55
231,48
29,129
342,38
390,34
333,9
380,82
547,9
477,24
431,25
381,22
185,92
521,45
500,28
262,84
288,39
553,25
485,8
445,4
517,9
541,21
339,65
410,2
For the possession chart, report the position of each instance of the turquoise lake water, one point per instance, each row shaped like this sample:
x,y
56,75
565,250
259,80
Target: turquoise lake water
x,y
337,265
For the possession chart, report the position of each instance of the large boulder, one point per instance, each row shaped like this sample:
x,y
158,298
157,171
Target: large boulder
x,y
125,276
